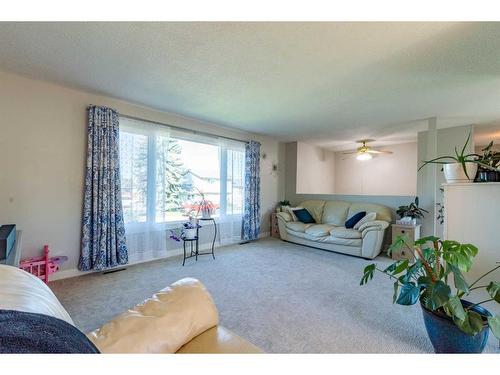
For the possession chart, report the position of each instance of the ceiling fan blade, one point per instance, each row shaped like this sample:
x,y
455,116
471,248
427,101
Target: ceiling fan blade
x,y
350,152
379,152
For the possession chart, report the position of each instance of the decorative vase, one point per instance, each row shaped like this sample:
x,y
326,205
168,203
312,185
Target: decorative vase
x,y
454,172
446,337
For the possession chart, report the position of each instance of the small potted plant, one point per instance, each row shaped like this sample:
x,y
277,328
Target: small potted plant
x,y
488,164
411,212
460,167
435,279
188,231
282,204
205,206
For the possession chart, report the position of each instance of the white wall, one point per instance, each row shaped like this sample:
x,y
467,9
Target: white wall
x,y
385,174
320,171
42,148
315,170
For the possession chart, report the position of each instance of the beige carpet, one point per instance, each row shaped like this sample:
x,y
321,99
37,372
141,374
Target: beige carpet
x,y
282,297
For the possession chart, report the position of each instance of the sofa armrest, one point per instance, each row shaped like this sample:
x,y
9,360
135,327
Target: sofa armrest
x,y
162,323
376,225
285,216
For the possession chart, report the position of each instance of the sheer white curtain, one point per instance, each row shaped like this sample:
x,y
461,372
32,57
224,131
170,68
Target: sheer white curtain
x,y
231,213
162,171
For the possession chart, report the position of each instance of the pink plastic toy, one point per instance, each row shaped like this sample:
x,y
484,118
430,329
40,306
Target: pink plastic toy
x,y
42,266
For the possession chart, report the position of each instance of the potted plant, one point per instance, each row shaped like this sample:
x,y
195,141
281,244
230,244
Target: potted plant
x,y
206,207
189,231
435,279
281,204
411,212
460,167
488,164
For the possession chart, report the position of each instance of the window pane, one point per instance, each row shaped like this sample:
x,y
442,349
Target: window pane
x,y
183,168
134,172
235,181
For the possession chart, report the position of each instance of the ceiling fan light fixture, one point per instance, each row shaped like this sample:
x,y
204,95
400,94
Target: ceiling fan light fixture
x,y
364,156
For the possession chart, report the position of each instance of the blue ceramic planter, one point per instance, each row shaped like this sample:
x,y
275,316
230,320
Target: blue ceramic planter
x,y
446,337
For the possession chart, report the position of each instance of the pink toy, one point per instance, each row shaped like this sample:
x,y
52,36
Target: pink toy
x,y
42,266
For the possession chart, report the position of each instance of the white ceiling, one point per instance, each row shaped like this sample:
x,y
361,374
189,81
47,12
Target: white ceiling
x,y
324,83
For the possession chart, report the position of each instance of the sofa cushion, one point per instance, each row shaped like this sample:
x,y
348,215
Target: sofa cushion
x,y
304,216
290,210
297,226
383,213
356,242
353,220
370,216
315,208
319,230
341,232
335,213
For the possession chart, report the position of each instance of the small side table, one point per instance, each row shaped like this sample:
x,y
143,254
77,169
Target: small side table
x,y
413,234
275,232
194,244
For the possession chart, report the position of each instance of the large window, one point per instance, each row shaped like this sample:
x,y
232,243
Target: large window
x,y
163,173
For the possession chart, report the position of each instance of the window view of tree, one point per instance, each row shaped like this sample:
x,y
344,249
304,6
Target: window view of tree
x,y
171,171
172,191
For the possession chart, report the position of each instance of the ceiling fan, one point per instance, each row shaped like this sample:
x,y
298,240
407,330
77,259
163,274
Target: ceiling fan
x,y
365,152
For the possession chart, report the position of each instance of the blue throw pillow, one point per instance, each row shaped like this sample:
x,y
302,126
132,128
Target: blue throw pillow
x,y
354,219
304,216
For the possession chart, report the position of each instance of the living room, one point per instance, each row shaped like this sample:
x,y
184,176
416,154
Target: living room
x,y
250,187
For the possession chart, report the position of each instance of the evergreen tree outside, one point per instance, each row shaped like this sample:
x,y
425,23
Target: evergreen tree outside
x,y
171,190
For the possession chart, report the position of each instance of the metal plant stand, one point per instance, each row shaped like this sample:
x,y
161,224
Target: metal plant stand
x,y
194,248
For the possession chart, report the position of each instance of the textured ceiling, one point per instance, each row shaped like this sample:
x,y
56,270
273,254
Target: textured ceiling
x,y
326,83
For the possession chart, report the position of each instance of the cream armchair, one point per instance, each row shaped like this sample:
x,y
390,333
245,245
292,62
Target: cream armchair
x,y
329,233
181,318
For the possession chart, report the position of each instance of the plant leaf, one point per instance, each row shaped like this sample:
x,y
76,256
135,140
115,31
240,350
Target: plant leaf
x,y
459,279
436,295
455,307
494,290
494,323
401,266
472,324
424,240
395,295
465,145
409,294
367,274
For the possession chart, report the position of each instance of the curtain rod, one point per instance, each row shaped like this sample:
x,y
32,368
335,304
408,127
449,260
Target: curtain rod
x,y
181,128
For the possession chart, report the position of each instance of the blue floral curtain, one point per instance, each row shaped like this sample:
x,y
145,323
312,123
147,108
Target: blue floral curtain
x,y
103,233
251,216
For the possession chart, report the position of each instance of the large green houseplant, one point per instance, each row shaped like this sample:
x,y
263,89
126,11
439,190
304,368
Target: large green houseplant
x,y
435,277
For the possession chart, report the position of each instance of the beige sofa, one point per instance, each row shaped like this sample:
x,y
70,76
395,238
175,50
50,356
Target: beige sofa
x,y
181,318
329,232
